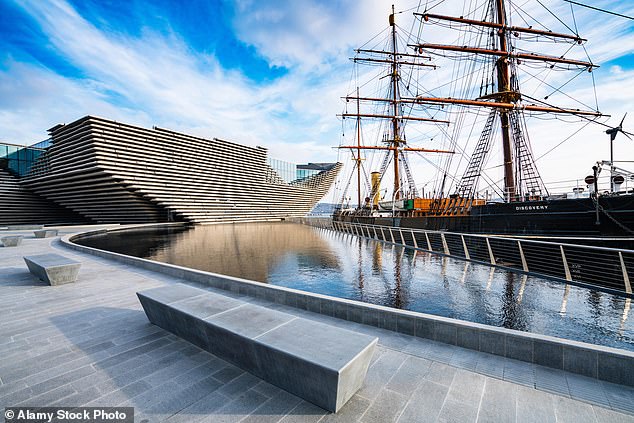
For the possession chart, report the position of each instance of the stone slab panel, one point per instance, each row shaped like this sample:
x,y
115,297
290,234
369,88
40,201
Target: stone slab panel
x,y
250,320
206,305
581,361
333,361
171,293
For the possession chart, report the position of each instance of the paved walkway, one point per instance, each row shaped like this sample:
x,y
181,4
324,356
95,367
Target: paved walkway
x,y
89,343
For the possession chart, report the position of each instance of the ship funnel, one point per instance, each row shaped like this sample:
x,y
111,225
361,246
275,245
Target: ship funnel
x,y
376,187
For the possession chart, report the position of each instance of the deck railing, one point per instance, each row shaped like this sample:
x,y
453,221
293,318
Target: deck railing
x,y
597,267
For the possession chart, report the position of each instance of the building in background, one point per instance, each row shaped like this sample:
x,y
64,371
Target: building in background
x,y
101,171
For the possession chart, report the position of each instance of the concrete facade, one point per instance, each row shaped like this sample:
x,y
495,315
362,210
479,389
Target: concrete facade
x,y
110,172
20,206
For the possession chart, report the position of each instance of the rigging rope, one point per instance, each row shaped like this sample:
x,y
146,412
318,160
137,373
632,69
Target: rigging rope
x,y
600,10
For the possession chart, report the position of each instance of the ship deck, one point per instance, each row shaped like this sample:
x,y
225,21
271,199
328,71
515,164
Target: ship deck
x,y
90,344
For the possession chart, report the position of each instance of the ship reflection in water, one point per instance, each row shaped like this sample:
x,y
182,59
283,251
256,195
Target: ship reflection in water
x,y
341,265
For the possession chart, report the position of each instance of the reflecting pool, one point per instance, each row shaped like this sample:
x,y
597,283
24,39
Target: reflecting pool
x,y
341,265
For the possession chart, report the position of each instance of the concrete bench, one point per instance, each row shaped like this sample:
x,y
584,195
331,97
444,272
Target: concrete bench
x,y
53,268
11,240
323,364
45,233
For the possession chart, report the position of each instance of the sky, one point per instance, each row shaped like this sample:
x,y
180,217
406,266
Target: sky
x,y
257,72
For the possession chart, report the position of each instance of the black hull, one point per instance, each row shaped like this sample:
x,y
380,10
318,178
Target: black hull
x,y
560,219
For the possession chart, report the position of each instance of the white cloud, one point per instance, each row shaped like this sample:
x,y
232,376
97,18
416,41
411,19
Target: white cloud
x,y
33,99
162,82
307,33
616,70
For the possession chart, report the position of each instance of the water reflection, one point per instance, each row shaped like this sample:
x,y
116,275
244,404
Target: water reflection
x,y
346,266
249,251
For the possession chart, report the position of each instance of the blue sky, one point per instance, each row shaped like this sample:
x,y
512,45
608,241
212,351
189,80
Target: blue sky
x,y
250,71
268,72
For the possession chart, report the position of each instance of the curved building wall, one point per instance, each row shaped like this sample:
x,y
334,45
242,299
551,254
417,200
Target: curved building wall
x,y
112,172
19,206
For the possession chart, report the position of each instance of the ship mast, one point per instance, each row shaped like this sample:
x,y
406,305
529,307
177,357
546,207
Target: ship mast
x,y
506,96
520,173
396,143
395,122
358,159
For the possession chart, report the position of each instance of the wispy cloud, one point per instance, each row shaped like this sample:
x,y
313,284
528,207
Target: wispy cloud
x,y
153,76
158,79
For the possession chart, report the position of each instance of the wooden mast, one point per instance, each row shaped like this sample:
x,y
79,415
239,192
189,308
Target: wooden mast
x,y
504,90
358,152
396,106
506,100
395,142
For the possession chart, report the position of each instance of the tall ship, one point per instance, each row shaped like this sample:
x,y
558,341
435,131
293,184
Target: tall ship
x,y
508,68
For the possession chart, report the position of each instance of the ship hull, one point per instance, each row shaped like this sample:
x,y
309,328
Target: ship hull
x,y
553,219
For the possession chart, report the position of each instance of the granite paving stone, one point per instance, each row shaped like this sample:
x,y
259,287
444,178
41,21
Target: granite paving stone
x,y
570,411
499,402
586,389
490,365
200,409
351,412
519,372
604,415
411,374
551,380
266,389
441,374
425,403
467,387
238,409
89,343
78,399
120,394
242,383
380,373
534,406
180,399
456,411
386,408
272,409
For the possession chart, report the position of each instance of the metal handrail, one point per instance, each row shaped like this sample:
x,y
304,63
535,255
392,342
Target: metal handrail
x,y
602,268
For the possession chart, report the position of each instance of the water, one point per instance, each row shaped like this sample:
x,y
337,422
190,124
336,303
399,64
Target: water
x,y
332,263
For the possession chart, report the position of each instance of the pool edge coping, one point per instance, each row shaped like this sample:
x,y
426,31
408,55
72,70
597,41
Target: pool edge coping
x,y
600,362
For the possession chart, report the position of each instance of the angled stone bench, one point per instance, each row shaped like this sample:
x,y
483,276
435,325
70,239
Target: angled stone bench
x,y
53,268
45,233
11,240
323,364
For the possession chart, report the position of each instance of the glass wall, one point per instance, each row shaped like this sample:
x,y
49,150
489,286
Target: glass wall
x,y
286,170
18,159
292,172
305,173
